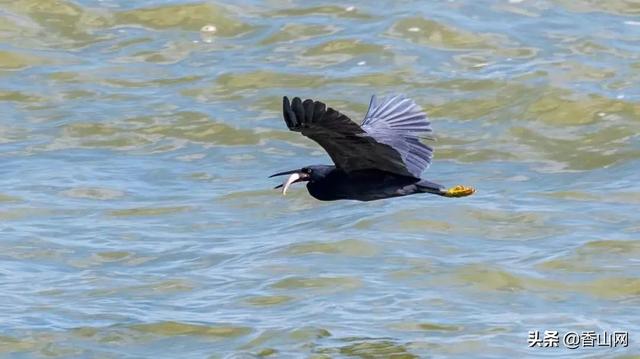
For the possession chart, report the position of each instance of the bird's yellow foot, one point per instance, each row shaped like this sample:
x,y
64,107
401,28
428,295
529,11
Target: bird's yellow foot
x,y
459,191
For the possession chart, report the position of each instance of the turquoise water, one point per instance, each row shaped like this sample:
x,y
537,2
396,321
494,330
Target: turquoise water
x,y
137,219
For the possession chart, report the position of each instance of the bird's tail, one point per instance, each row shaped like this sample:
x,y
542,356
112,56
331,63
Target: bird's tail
x,y
430,187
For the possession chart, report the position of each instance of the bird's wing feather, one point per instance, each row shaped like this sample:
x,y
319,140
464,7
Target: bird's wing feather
x,y
399,122
350,147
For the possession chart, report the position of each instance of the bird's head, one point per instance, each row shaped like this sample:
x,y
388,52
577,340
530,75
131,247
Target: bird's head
x,y
305,174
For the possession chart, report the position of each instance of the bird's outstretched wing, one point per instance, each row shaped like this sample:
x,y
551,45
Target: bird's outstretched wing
x,y
387,140
399,122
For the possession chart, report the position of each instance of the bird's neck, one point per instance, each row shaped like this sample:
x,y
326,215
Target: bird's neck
x,y
328,187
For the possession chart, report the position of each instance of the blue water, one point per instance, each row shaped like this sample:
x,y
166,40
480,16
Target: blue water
x,y
137,219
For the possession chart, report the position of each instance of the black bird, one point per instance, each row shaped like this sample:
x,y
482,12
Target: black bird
x,y
382,158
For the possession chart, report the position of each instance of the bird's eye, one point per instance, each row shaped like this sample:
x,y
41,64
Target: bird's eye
x,y
306,170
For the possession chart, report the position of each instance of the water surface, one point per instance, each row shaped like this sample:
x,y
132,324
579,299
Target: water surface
x,y
136,219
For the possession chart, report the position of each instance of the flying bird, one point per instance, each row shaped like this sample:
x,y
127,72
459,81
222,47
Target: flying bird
x,y
379,159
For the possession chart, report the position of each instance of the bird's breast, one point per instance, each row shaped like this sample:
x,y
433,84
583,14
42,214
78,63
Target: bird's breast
x,y
361,185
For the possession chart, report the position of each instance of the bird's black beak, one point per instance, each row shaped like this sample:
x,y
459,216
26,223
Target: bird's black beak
x,y
284,173
295,176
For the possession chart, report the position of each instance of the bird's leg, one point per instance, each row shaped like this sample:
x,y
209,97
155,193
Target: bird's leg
x,y
431,187
440,190
459,191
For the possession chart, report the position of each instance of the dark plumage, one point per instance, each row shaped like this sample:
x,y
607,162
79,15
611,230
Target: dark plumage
x,y
382,158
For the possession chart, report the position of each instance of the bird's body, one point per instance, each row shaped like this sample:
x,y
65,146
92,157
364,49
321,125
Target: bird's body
x,y
383,158
364,185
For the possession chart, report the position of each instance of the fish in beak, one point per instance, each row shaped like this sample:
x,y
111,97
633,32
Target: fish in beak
x,y
295,176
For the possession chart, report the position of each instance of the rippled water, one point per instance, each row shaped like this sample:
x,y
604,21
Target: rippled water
x,y
136,219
